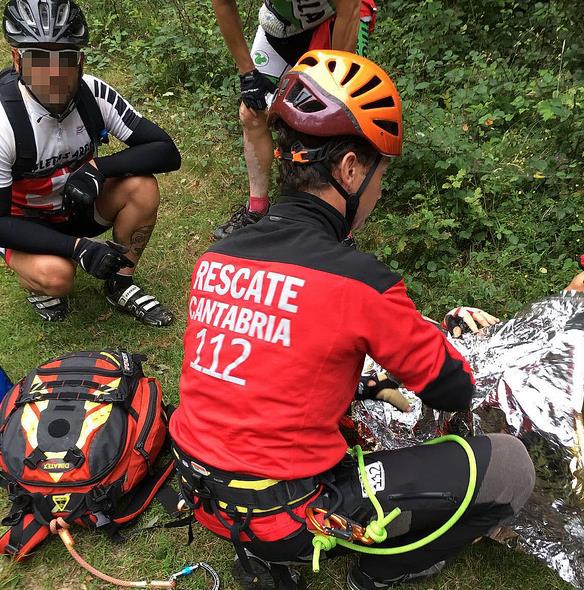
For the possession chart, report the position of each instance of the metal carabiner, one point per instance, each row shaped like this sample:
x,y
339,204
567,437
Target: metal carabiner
x,y
190,569
336,526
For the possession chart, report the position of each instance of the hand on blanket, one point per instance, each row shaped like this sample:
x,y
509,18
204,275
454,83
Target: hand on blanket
x,y
459,319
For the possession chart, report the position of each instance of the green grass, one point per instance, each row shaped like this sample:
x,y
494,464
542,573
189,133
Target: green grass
x,y
194,200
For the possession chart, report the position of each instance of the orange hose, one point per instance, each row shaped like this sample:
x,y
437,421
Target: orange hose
x,y
60,527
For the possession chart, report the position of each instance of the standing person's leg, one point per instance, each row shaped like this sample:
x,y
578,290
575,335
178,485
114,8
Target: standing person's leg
x,y
428,484
258,151
272,57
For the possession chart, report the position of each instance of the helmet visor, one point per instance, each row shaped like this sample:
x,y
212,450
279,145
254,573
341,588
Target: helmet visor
x,y
52,76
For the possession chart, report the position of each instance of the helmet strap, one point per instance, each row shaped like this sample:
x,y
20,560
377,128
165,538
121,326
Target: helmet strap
x,y
352,199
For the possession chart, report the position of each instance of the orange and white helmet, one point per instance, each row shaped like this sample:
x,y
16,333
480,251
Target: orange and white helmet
x,y
333,93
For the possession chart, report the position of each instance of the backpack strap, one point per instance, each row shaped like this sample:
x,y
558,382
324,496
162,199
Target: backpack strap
x,y
21,538
11,99
91,116
145,493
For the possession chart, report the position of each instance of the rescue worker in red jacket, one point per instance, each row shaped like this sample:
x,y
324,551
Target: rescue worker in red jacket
x,y
281,316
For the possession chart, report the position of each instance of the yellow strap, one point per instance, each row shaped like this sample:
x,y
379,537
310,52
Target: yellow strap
x,y
258,484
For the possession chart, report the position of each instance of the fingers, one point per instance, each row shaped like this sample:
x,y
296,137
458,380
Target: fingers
x,y
479,318
116,246
117,260
469,321
577,283
390,394
490,320
395,398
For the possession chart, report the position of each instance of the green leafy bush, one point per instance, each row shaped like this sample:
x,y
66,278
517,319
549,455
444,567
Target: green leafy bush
x,y
486,205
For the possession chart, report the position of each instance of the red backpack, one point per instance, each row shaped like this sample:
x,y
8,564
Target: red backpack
x,y
78,439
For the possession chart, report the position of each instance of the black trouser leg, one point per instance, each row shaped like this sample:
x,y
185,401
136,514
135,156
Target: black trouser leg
x,y
428,484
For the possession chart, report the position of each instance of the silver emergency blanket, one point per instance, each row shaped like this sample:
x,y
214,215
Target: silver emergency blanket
x,y
529,375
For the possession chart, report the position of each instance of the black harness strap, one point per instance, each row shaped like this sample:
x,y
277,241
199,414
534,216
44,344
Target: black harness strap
x,y
11,99
223,487
91,116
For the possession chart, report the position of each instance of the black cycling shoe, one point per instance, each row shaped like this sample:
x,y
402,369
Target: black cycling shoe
x,y
267,576
136,302
241,217
359,580
51,309
349,242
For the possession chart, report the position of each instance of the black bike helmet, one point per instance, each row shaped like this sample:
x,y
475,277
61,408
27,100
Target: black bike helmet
x,y
30,22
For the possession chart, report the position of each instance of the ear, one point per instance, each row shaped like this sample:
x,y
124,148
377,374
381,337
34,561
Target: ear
x,y
346,171
16,61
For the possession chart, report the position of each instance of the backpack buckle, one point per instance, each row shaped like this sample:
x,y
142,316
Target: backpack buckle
x,y
74,456
102,519
35,458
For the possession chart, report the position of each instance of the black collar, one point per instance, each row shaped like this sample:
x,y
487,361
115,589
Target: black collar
x,y
308,208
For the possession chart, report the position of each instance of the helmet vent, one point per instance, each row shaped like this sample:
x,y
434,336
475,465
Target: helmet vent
x,y
386,102
62,15
44,14
296,90
26,13
351,73
10,28
79,31
331,65
304,100
311,106
390,126
373,83
308,61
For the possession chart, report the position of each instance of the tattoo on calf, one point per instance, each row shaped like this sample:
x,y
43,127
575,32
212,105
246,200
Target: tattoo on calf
x,y
139,239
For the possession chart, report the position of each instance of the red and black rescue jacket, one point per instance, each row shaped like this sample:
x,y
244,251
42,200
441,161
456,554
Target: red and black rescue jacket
x,y
281,316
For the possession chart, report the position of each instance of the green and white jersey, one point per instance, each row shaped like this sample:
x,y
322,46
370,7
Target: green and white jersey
x,y
284,18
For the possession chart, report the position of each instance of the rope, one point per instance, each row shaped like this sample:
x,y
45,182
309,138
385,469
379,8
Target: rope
x,y
377,529
60,527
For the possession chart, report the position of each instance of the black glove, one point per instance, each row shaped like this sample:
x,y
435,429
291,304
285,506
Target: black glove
x,y
254,87
82,188
382,381
101,259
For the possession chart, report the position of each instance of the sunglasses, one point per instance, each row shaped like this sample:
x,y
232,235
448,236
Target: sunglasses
x,y
43,58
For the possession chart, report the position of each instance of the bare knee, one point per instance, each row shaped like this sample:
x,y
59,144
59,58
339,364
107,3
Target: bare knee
x,y
143,192
251,120
52,276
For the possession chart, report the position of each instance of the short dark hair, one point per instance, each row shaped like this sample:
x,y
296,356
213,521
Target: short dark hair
x,y
307,177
